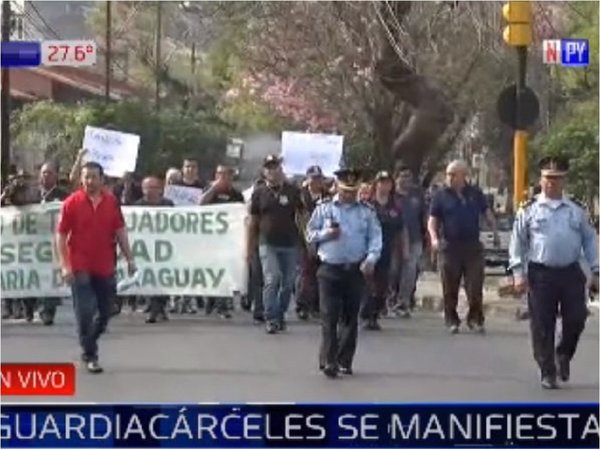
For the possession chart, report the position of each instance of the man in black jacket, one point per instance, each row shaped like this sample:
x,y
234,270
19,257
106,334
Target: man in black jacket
x,y
17,193
46,191
152,188
220,191
307,299
49,191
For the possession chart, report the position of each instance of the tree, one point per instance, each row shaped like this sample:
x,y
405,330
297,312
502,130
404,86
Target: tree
x,y
395,78
189,75
165,137
576,138
573,128
177,68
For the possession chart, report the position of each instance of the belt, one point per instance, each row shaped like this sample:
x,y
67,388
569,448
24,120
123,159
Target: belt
x,y
538,266
344,266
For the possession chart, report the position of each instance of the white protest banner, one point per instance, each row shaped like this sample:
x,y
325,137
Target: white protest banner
x,y
248,193
302,150
179,251
183,195
117,152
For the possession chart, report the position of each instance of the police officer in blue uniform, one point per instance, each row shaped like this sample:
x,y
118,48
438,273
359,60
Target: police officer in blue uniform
x,y
348,237
549,234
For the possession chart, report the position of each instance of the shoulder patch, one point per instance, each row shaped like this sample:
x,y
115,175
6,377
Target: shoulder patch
x,y
585,210
579,203
367,204
527,203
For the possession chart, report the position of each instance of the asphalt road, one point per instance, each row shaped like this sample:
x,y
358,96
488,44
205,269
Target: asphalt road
x,y
197,359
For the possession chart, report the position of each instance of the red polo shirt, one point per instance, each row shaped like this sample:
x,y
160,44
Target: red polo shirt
x,y
91,232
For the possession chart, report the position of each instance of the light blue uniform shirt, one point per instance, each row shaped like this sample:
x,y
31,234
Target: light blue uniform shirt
x,y
360,232
552,233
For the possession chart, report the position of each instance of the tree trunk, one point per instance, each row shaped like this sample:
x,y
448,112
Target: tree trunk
x,y
431,113
435,160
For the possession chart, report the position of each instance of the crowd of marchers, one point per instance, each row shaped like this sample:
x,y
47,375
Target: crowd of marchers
x,y
348,251
396,197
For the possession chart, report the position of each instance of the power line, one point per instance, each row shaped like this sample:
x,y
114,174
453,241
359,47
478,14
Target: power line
x,y
57,36
44,21
5,100
31,21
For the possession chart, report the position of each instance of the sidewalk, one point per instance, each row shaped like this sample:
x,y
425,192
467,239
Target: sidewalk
x,y
429,298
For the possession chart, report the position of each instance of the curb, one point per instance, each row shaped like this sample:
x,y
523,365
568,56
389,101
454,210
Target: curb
x,y
494,308
505,310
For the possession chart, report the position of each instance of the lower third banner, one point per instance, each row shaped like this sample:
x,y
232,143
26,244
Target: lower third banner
x,y
300,426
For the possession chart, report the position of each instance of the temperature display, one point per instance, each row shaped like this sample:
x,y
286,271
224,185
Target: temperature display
x,y
68,53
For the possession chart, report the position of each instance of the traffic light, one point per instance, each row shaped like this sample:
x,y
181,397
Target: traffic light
x,y
518,32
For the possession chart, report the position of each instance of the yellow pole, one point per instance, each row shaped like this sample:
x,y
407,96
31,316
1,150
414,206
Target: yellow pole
x,y
520,168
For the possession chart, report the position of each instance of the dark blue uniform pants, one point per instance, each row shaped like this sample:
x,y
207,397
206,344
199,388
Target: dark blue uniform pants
x,y
549,289
341,289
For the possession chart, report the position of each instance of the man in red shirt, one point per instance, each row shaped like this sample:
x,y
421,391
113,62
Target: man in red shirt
x,y
90,223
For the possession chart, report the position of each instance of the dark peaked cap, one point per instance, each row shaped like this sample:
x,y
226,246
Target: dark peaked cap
x,y
554,166
314,171
348,179
271,160
383,175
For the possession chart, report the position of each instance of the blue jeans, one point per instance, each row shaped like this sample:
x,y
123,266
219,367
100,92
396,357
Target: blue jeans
x,y
92,302
279,266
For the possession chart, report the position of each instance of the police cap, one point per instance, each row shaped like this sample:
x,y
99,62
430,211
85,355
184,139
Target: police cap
x,y
383,175
554,166
272,161
314,172
348,179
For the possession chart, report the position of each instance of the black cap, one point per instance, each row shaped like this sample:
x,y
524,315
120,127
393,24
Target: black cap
x,y
554,166
271,160
314,172
348,179
383,175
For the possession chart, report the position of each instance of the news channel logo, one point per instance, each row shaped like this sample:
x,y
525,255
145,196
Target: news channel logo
x,y
567,52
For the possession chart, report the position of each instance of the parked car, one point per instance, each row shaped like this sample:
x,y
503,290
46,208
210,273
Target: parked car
x,y
497,256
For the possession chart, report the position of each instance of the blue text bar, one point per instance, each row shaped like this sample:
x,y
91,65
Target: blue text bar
x,y
21,54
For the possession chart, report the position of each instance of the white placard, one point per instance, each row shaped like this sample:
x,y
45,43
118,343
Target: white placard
x,y
302,150
183,195
117,152
248,193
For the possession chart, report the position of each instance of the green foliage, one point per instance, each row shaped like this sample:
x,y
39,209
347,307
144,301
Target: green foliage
x,y
55,128
224,71
165,137
583,20
576,138
249,116
574,133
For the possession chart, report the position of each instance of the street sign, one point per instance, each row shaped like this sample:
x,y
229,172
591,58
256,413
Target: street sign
x,y
507,107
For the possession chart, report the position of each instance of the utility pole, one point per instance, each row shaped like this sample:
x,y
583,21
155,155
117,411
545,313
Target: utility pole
x,y
5,97
520,136
193,67
108,49
158,70
193,58
519,34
